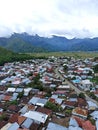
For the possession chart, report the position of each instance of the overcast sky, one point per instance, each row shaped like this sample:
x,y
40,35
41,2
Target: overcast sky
x,y
69,18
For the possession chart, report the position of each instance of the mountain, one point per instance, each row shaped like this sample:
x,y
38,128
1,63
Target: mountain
x,y
29,43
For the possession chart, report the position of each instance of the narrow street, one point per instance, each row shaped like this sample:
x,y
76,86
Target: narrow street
x,y
74,87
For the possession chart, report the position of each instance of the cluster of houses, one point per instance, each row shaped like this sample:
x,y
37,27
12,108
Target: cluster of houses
x,y
57,106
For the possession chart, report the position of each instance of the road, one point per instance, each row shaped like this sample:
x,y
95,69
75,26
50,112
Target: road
x,y
74,87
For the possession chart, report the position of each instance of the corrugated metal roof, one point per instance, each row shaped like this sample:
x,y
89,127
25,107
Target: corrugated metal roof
x,y
54,126
34,100
74,128
73,122
37,116
27,123
14,126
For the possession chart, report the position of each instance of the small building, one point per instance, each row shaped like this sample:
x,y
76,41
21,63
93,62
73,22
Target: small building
x,y
54,126
37,116
80,112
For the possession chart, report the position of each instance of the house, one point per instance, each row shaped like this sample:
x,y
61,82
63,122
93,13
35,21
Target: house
x,y
52,100
22,129
37,116
74,128
35,91
13,126
41,102
23,110
11,90
2,97
70,104
5,127
80,112
38,101
54,126
27,123
13,108
7,98
97,124
21,119
94,115
9,126
63,87
56,99
86,84
44,110
16,83
60,92
87,125
79,120
14,96
91,105
14,118
27,91
82,103
19,90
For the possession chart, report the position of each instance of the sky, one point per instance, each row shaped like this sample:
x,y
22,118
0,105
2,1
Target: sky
x,y
69,18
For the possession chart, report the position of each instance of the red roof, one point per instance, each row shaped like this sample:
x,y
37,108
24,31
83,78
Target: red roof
x,y
21,119
7,98
79,120
80,111
14,118
52,100
82,102
96,92
60,92
44,110
87,125
69,103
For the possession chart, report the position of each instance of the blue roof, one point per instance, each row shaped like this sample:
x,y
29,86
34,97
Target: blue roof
x,y
53,126
27,123
77,81
14,126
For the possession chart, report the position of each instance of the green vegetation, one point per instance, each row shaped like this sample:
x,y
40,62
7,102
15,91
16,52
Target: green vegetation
x,y
14,102
96,68
92,95
20,95
94,80
53,106
36,83
8,56
3,117
82,95
66,54
68,112
65,68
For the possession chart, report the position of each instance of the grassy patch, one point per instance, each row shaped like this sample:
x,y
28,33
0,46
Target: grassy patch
x,y
67,54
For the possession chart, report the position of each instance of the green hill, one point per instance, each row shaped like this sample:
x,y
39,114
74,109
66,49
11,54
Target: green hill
x,y
9,56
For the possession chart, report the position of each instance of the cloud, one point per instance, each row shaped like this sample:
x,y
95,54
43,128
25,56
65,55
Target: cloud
x,y
69,18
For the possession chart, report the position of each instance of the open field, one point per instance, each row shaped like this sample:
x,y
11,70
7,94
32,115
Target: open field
x,y
67,54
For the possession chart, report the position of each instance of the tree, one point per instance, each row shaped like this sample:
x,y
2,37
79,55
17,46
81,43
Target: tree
x,y
96,68
82,95
53,106
20,95
65,68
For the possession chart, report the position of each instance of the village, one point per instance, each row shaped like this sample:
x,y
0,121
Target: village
x,y
57,93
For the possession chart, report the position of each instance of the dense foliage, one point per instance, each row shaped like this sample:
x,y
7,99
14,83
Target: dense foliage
x,y
8,56
53,106
96,68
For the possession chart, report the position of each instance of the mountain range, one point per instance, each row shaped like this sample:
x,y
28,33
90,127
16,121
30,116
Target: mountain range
x,y
34,43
